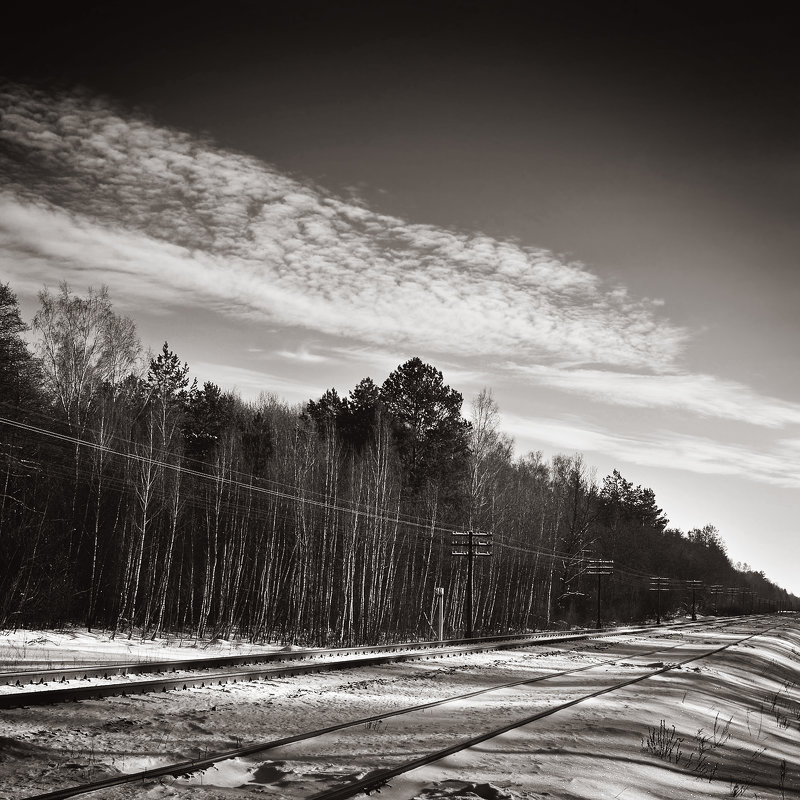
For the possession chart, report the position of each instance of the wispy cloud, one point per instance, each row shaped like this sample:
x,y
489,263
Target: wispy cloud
x,y
700,394
384,361
380,361
104,196
302,355
778,466
251,383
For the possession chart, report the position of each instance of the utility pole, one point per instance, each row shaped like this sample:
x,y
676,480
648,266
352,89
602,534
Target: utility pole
x,y
693,585
742,595
716,591
599,567
476,548
656,585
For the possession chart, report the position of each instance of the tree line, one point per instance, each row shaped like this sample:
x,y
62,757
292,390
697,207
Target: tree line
x,y
137,500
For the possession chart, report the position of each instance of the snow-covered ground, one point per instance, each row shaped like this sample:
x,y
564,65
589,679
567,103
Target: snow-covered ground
x,y
22,649
733,721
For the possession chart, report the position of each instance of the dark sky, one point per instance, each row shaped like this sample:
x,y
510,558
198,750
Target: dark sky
x,y
733,72
348,75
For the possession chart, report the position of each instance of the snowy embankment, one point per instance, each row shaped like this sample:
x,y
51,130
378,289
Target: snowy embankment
x,y
23,649
725,726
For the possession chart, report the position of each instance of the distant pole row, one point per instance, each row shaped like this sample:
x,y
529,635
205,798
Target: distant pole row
x,y
475,544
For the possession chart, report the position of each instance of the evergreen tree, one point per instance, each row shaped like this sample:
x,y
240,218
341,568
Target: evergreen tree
x,y
353,419
257,440
325,412
167,380
360,415
19,371
209,412
631,523
430,434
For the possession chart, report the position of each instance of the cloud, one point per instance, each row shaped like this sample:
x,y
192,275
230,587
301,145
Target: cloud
x,y
302,355
664,449
250,383
703,395
380,361
104,196
383,362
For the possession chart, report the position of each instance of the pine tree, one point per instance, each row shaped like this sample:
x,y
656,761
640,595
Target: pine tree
x,y
19,370
430,433
209,412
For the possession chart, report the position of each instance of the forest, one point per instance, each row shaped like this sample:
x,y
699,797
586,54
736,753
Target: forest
x,y
137,501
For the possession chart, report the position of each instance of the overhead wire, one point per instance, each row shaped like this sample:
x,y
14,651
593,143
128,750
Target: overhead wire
x,y
117,437
253,487
308,493
426,527
310,498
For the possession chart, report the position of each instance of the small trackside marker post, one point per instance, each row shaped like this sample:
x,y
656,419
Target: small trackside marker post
x,y
694,585
438,596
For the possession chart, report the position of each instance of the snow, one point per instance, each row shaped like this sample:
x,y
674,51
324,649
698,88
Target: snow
x,y
21,649
737,714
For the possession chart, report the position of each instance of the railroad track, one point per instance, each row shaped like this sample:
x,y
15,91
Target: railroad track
x,y
70,682
106,670
380,778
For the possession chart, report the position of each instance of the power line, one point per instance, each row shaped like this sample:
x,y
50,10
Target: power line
x,y
164,453
426,528
178,468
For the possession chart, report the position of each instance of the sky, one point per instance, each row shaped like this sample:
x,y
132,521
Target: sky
x,y
589,208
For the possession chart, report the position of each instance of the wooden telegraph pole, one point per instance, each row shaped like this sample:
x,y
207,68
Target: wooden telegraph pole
x,y
716,591
656,585
599,567
476,548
